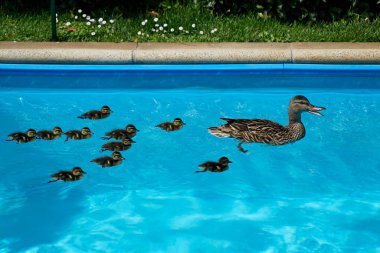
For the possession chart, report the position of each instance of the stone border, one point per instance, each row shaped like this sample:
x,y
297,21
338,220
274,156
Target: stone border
x,y
188,53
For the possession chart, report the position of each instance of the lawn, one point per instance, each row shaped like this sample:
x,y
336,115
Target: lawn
x,y
181,24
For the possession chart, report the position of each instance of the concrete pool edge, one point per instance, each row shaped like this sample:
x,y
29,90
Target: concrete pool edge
x,y
189,53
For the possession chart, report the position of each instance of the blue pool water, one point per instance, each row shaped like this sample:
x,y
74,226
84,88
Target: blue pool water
x,y
320,194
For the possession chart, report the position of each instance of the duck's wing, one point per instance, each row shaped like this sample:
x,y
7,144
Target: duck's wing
x,y
207,165
101,160
45,134
164,125
254,130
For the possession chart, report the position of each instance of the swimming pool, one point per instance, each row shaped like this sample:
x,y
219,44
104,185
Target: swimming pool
x,y
320,194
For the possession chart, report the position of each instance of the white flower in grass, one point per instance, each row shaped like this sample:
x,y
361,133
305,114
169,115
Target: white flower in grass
x,y
104,22
155,19
156,25
214,30
93,33
143,23
201,32
68,24
99,26
186,31
100,19
92,20
193,25
112,21
88,17
84,15
56,20
88,23
172,30
180,28
139,33
76,17
161,28
165,25
153,30
79,11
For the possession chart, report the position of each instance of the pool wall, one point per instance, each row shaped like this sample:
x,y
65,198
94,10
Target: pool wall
x,y
188,53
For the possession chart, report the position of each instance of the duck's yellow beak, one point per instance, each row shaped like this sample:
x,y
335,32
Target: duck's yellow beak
x,y
315,110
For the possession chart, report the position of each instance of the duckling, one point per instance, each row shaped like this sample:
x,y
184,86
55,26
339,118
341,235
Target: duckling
x,y
119,134
104,112
266,131
50,135
118,146
85,133
21,137
109,161
220,166
177,124
75,174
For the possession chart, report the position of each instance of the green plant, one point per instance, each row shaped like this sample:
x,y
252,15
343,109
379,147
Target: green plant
x,y
80,25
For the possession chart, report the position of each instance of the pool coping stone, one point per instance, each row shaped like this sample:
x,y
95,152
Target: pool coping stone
x,y
188,53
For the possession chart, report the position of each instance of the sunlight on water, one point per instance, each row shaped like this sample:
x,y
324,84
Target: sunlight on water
x,y
320,194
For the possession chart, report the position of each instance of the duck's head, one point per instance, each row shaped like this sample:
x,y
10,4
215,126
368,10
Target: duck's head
x,y
300,104
131,129
105,109
128,141
77,171
178,122
31,133
224,160
117,156
57,130
86,131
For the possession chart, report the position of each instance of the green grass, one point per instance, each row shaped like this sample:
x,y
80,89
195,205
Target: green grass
x,y
244,28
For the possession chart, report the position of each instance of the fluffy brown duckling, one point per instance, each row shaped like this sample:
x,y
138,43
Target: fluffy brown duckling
x,y
119,134
50,135
109,161
75,174
104,112
177,124
220,166
117,145
266,131
21,137
85,133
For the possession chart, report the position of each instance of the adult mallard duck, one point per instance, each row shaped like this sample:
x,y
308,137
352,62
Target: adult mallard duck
x,y
266,131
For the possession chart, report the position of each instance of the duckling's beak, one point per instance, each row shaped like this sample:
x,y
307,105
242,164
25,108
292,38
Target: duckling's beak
x,y
315,110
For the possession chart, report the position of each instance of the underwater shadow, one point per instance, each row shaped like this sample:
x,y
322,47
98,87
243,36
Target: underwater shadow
x,y
42,218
